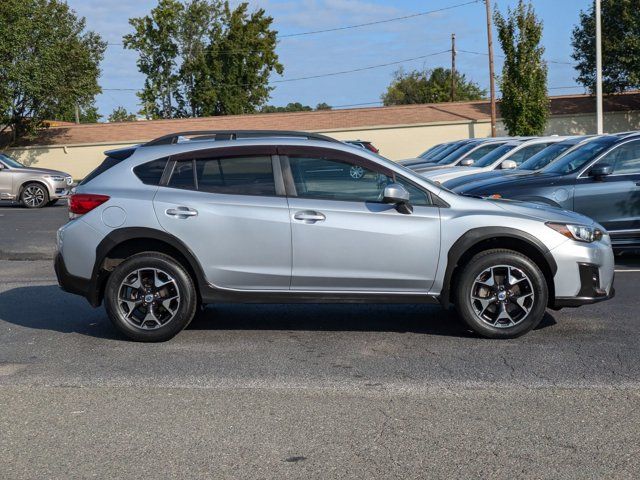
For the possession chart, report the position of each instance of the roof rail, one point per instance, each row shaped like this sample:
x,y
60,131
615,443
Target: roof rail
x,y
236,134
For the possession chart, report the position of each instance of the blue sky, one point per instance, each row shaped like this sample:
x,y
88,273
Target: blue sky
x,y
348,49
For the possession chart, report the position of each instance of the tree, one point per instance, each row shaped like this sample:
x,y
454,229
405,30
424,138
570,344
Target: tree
x,y
429,86
87,113
524,105
323,106
620,46
49,64
203,58
120,114
290,107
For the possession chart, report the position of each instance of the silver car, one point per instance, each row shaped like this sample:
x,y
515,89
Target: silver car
x,y
183,221
32,187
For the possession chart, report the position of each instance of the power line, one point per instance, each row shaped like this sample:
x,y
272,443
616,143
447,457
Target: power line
x,y
378,22
502,56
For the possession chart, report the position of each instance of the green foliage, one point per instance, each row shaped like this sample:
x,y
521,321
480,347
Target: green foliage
x,y
524,105
620,46
429,86
203,58
323,106
48,64
88,113
120,114
290,107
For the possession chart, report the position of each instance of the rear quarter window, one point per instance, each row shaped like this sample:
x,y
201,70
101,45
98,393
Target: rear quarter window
x,y
150,173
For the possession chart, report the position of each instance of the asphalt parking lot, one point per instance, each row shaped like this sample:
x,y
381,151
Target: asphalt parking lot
x,y
315,391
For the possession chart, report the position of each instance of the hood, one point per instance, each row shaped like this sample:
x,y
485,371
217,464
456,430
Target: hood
x,y
545,213
40,171
497,184
484,177
446,174
431,167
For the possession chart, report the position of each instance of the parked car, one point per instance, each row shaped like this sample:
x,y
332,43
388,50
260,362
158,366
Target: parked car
x,y
162,228
424,155
363,144
471,152
32,187
600,179
506,157
535,163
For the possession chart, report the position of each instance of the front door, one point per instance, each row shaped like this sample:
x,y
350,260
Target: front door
x,y
231,215
6,182
614,200
345,239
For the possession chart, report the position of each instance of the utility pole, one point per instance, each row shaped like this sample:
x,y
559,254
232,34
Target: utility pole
x,y
599,106
453,67
492,83
77,114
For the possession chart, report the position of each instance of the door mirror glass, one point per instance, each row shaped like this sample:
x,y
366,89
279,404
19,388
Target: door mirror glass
x,y
601,171
508,165
467,162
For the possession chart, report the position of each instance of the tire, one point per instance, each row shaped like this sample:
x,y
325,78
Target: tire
x,y
493,307
34,195
140,309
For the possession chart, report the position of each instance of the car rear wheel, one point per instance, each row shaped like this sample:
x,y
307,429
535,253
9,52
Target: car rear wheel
x,y
150,297
34,195
501,294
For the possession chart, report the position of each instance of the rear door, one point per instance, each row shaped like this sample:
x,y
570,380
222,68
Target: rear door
x,y
228,208
613,201
344,238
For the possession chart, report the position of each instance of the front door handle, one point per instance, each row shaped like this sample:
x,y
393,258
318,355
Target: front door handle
x,y
309,216
181,212
638,183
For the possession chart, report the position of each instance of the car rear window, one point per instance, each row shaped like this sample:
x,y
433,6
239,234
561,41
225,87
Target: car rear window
x,y
106,164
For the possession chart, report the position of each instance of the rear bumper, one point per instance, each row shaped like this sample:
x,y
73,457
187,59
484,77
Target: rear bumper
x,y
76,285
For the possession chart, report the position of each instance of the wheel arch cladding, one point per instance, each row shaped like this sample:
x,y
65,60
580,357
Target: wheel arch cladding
x,y
487,238
122,243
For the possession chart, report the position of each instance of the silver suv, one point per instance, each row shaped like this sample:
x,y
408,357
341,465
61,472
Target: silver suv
x,y
32,187
187,220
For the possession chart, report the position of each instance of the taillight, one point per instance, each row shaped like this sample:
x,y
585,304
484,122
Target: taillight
x,y
81,203
371,147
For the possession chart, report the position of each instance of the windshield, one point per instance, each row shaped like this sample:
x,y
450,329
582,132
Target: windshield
x,y
495,155
443,153
574,161
546,156
433,151
455,155
7,160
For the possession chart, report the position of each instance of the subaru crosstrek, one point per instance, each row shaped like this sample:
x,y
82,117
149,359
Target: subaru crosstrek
x,y
187,220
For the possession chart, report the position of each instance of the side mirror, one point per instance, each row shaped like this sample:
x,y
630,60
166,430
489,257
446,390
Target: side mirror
x,y
508,165
600,171
397,195
467,162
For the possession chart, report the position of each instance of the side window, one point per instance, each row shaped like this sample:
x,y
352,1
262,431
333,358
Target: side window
x,y
480,152
329,179
236,175
625,160
527,152
182,176
151,173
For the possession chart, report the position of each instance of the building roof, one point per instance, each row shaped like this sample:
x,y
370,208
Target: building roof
x,y
325,120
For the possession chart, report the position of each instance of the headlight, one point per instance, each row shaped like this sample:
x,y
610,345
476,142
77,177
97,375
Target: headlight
x,y
56,178
579,233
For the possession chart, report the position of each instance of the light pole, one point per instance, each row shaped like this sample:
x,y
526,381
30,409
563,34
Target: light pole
x,y
599,107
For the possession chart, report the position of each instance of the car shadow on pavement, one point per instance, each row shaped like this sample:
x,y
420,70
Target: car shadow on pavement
x,y
48,308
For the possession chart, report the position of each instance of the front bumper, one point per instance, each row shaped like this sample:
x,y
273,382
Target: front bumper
x,y
591,290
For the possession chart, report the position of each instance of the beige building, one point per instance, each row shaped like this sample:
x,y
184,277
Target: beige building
x,y
399,132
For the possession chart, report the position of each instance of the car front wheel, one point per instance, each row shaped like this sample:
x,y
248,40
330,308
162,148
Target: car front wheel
x,y
150,297
34,195
501,294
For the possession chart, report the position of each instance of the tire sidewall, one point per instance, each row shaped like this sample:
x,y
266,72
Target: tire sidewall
x,y
477,265
188,299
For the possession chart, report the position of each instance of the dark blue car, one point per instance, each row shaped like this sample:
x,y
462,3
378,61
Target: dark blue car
x,y
600,179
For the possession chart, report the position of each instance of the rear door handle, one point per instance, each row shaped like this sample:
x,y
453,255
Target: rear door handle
x,y
181,212
309,216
